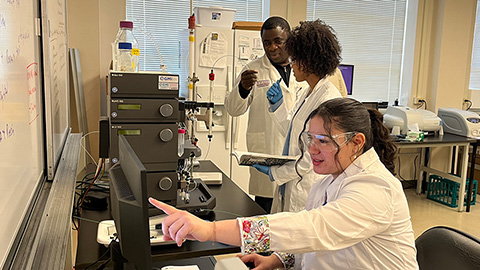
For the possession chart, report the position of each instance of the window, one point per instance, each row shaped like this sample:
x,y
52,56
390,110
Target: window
x,y
159,24
371,34
475,69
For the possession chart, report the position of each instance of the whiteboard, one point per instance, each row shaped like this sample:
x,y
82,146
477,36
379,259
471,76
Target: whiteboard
x,y
56,83
21,127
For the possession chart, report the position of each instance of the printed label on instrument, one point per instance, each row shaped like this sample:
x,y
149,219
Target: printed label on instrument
x,y
167,82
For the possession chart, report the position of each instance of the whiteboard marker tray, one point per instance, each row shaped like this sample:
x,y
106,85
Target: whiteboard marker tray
x,y
106,233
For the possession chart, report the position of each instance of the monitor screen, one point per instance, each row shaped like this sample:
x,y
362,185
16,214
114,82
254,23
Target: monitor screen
x,y
129,206
347,73
370,104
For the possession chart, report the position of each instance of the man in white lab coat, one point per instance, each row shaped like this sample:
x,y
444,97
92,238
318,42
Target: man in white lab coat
x,y
249,94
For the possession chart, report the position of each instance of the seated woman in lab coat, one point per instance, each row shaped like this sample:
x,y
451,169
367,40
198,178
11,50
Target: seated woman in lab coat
x,y
355,218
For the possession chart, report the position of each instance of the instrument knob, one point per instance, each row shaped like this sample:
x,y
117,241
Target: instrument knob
x,y
166,110
165,183
166,135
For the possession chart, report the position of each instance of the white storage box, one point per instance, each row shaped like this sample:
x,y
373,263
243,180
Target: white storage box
x,y
214,16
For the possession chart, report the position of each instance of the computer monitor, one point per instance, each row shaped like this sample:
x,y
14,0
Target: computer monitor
x,y
129,206
370,104
347,73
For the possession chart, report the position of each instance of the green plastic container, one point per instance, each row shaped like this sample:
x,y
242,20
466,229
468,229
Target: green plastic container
x,y
445,191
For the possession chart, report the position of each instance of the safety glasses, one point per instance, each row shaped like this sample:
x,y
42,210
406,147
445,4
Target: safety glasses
x,y
325,142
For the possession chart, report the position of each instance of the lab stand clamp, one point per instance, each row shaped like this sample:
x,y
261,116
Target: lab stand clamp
x,y
196,112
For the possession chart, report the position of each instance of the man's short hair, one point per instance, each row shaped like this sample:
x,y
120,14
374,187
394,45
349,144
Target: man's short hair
x,y
274,22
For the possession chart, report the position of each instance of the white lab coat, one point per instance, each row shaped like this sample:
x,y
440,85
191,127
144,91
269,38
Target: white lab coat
x,y
263,134
296,194
339,82
364,225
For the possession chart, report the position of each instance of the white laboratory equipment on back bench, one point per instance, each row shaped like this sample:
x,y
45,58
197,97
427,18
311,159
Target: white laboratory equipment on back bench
x,y
460,122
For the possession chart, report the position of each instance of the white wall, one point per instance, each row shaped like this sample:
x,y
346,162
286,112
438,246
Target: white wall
x,y
294,11
92,26
82,22
442,58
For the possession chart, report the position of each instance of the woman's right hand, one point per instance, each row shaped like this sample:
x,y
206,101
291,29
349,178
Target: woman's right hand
x,y
274,93
262,262
180,225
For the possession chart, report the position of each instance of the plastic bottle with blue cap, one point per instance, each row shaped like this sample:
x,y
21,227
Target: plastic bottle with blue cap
x,y
124,58
125,34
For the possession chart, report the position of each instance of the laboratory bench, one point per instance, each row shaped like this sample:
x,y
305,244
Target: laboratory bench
x,y
203,263
231,202
446,140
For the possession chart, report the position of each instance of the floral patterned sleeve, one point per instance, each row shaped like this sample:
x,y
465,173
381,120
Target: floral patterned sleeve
x,y
287,259
255,235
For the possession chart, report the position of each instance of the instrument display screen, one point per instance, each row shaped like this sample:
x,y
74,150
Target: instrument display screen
x,y
473,120
130,107
129,132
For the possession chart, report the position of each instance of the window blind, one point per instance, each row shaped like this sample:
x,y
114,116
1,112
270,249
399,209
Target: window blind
x,y
159,24
475,68
371,34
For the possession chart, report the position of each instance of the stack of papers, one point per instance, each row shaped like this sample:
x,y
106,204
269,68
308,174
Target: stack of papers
x,y
250,158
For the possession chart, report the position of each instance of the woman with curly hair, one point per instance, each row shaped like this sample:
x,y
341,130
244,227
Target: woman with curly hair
x,y
315,54
355,218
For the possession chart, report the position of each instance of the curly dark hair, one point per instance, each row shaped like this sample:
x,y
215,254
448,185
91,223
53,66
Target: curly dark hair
x,y
350,115
314,46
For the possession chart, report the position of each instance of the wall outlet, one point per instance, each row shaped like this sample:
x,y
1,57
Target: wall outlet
x,y
416,100
466,104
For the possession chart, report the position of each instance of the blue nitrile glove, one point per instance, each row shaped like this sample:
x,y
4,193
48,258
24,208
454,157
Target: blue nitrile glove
x,y
274,94
262,168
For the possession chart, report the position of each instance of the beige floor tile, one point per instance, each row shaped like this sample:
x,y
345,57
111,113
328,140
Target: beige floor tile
x,y
426,213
